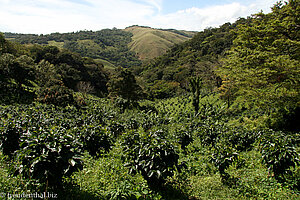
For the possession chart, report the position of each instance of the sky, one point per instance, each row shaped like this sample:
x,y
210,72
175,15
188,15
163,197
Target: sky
x,y
49,16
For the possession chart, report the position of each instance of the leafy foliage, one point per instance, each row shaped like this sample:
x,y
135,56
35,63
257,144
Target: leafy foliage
x,y
223,157
152,156
279,154
124,86
106,44
262,68
198,56
48,155
10,137
135,153
95,139
195,84
56,95
46,71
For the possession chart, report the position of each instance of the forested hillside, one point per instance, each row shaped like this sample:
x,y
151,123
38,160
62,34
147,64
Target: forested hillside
x,y
47,73
216,117
252,63
199,56
112,47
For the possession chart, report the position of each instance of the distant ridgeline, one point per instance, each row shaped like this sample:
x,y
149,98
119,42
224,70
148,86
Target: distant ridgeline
x,y
108,44
256,47
113,47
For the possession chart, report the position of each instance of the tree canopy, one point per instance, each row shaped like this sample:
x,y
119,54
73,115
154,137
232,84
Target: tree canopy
x,y
262,69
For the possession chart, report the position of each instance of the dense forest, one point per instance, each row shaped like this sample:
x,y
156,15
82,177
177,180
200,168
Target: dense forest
x,y
108,44
216,117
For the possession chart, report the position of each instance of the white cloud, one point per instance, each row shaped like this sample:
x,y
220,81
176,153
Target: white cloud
x,y
156,3
46,16
200,18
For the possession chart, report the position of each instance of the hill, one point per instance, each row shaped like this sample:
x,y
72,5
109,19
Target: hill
x,y
109,45
168,75
115,47
78,131
149,43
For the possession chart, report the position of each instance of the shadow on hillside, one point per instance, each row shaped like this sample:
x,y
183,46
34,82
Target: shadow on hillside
x,y
11,95
169,192
73,192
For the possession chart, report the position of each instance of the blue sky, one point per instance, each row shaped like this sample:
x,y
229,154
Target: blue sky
x,y
170,6
48,16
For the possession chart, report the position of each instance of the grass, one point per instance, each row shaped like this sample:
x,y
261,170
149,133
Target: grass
x,y
107,64
149,43
107,178
90,44
57,44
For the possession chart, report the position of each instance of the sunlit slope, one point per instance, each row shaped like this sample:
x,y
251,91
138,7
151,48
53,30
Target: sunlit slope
x,y
149,43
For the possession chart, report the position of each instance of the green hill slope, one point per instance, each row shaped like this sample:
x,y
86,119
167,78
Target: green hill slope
x,y
110,45
149,43
169,74
118,47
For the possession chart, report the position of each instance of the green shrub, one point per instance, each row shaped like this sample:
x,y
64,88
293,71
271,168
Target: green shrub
x,y
151,155
211,134
241,139
95,139
10,132
116,128
184,138
57,95
223,156
280,155
47,155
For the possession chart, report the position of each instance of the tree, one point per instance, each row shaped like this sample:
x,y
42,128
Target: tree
x,y
226,90
262,67
196,84
6,46
85,88
123,84
18,68
46,74
96,76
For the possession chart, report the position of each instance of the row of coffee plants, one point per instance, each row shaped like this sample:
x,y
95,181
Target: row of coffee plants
x,y
44,142
158,150
224,145
47,143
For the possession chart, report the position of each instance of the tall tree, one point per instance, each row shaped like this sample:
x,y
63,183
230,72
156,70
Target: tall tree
x,y
123,84
263,66
196,84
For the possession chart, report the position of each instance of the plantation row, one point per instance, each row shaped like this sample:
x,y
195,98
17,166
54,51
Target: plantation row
x,y
158,150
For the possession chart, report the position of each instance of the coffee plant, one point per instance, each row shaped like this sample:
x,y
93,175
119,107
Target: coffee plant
x,y
10,132
279,154
115,128
95,139
210,134
223,156
151,155
47,155
241,139
184,138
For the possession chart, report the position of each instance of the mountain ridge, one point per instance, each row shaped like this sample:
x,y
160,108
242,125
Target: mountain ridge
x,y
149,43
118,47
